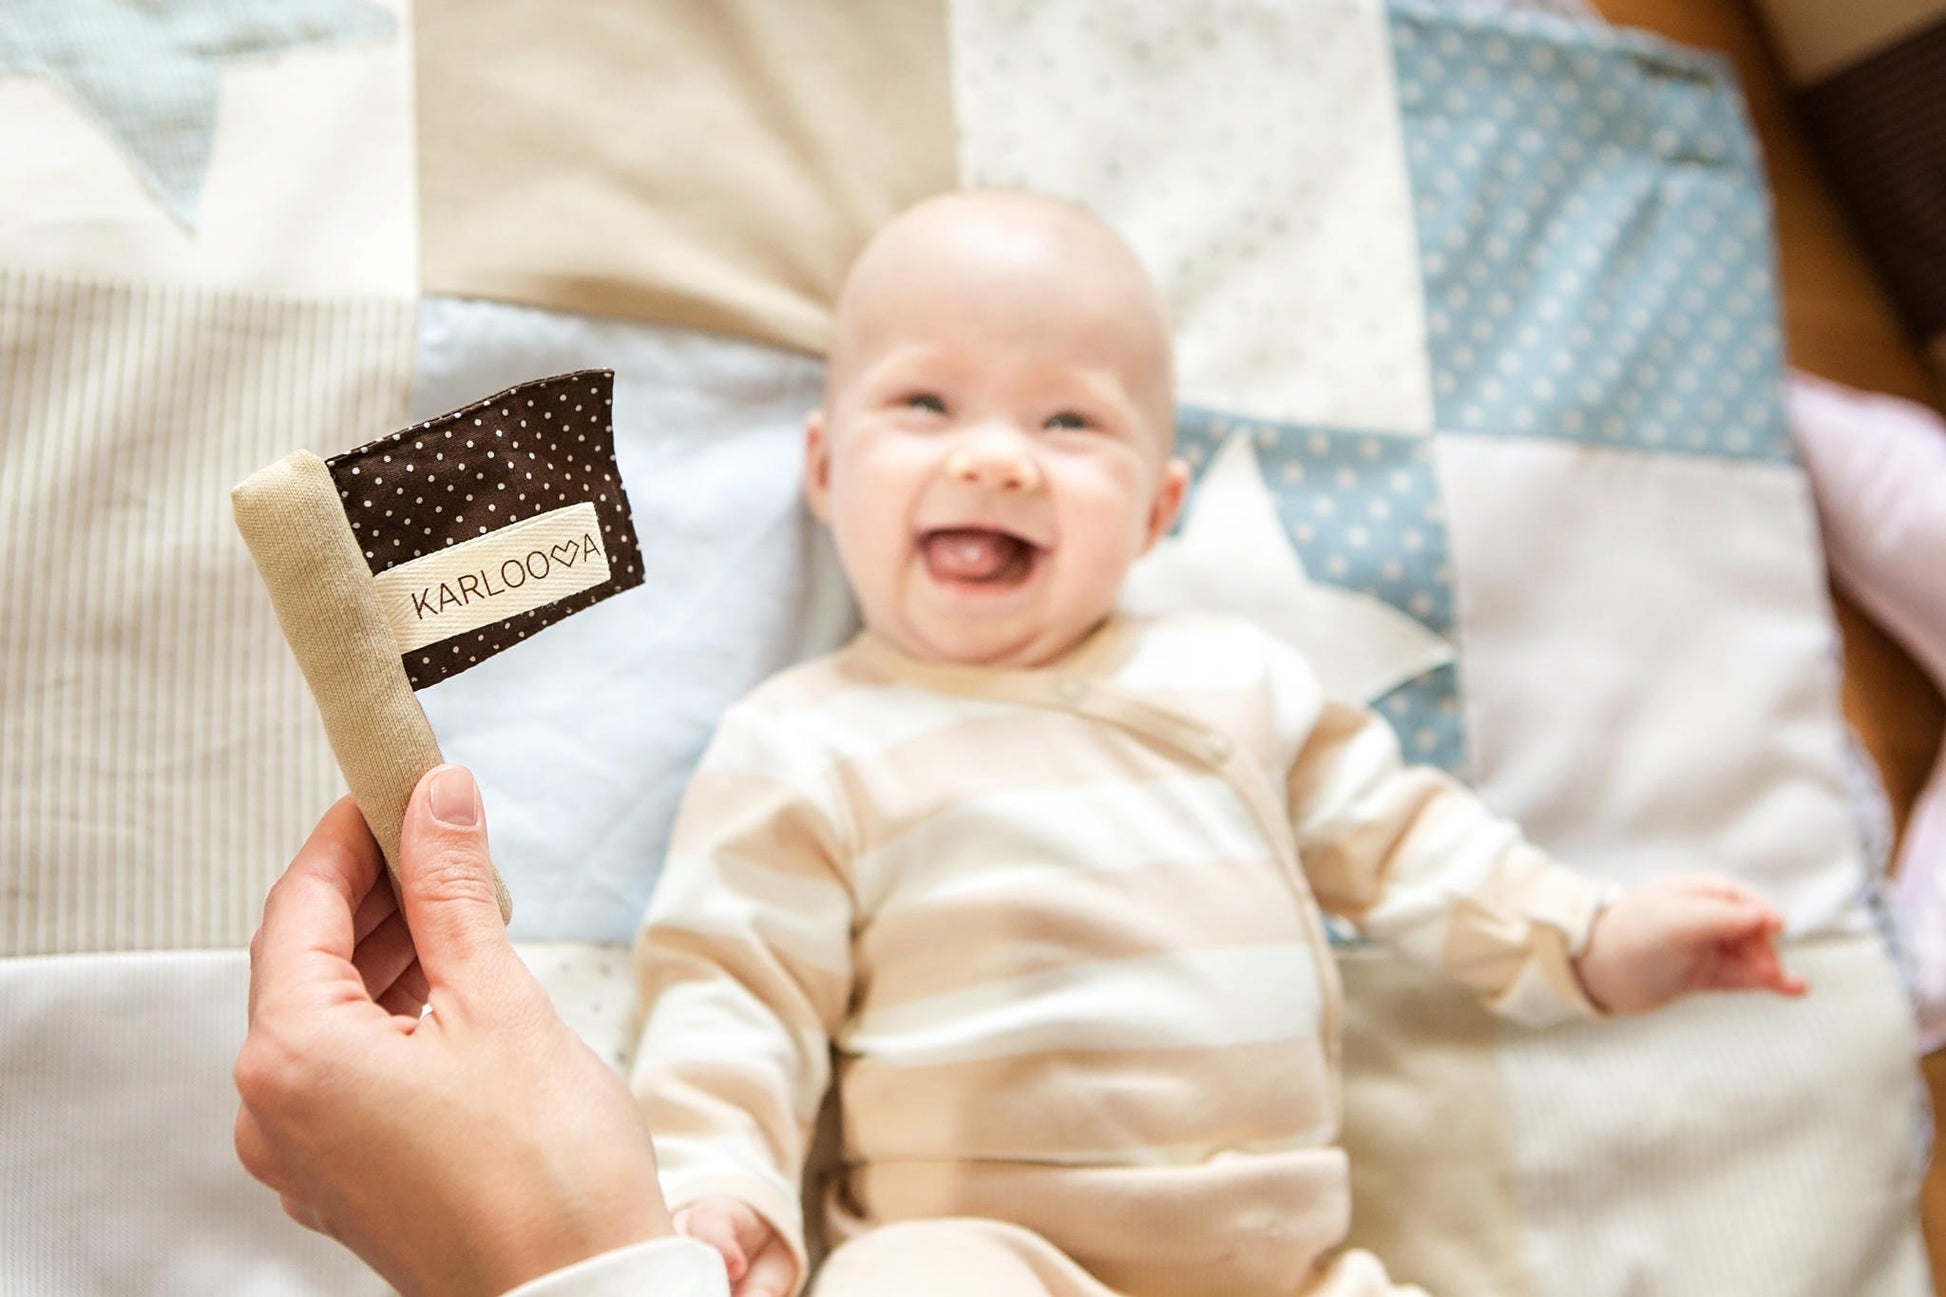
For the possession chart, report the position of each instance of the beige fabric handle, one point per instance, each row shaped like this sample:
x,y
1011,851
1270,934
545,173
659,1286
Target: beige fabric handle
x,y
291,519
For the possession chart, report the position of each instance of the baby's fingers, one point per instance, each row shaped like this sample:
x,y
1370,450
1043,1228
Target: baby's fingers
x,y
1722,886
716,1229
771,1272
1770,979
1712,921
1750,909
1754,966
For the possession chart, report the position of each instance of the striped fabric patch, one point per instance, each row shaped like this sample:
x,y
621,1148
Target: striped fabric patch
x,y
160,759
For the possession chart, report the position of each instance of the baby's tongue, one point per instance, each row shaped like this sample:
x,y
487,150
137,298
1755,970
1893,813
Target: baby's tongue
x,y
971,555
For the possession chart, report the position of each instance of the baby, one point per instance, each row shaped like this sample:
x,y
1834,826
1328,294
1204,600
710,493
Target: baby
x,y
1037,886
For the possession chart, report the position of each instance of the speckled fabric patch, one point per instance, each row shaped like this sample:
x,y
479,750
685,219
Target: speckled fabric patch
x,y
489,523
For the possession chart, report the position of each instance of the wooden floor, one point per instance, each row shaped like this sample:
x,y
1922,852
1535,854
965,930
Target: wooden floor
x,y
1838,323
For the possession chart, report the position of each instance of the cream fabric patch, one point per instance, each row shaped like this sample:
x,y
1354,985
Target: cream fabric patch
x,y
1735,1143
1294,288
309,186
120,1108
1726,1144
1651,679
513,570
592,986
133,1053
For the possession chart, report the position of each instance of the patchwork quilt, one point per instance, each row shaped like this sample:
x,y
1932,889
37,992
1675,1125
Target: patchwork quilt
x,y
1480,371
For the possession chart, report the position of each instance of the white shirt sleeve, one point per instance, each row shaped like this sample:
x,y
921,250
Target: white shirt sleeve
x,y
664,1267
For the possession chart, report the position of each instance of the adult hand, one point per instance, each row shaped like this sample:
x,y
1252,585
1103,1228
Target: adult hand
x,y
1679,934
461,1153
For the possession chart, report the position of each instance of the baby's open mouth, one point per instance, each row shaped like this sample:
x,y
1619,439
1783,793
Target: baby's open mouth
x,y
979,555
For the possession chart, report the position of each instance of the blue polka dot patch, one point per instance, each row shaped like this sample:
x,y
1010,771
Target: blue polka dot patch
x,y
1363,512
1594,235
1426,714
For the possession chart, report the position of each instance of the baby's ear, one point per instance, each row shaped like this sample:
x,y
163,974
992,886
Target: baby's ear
x,y
1168,500
817,467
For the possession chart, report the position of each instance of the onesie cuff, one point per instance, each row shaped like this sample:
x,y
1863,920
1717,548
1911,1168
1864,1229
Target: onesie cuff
x,y
666,1267
1560,907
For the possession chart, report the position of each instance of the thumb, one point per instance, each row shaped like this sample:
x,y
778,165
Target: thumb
x,y
451,892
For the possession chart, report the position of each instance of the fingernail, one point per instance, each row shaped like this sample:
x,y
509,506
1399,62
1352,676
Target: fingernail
x,y
452,799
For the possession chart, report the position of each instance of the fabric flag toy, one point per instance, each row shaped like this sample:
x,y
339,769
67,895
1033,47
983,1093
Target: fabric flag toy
x,y
410,559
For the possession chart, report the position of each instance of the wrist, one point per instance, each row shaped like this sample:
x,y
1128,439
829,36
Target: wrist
x,y
521,1257
1588,991
534,1232
1583,962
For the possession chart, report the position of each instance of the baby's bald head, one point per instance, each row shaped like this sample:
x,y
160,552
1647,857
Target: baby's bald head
x,y
1001,253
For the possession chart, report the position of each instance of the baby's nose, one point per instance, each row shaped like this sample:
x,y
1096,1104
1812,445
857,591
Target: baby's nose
x,y
998,468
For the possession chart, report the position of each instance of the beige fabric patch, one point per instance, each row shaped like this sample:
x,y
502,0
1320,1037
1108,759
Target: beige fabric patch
x,y
709,165
1426,1129
514,570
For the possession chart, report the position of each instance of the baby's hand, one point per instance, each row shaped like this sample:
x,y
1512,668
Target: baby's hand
x,y
759,1263
1683,933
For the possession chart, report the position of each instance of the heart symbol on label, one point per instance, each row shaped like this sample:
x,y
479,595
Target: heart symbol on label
x,y
566,554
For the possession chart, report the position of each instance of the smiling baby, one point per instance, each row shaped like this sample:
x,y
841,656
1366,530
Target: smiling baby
x,y
1037,886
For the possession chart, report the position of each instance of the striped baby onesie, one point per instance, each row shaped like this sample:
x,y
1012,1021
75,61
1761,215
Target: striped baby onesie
x,y
1054,935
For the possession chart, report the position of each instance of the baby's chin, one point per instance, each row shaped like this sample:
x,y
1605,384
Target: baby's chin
x,y
1014,641
975,643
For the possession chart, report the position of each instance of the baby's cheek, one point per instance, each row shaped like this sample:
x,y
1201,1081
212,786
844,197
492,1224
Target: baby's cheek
x,y
864,552
1101,571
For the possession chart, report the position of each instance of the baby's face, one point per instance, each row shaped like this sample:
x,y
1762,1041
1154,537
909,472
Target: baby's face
x,y
993,451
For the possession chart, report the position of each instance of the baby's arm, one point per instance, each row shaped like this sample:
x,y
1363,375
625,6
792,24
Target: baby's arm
x,y
1681,934
1417,861
744,968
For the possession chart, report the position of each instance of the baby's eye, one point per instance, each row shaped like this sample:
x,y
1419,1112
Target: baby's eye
x,y
925,401
1067,419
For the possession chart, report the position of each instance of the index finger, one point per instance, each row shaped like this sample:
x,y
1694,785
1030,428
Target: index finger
x,y
307,936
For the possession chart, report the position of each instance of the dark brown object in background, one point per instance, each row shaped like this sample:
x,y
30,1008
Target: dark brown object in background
x,y
1880,126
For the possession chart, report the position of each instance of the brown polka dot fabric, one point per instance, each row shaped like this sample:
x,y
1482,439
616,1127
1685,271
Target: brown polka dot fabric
x,y
540,446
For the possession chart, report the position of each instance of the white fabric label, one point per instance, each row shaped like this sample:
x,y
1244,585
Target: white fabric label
x,y
494,577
